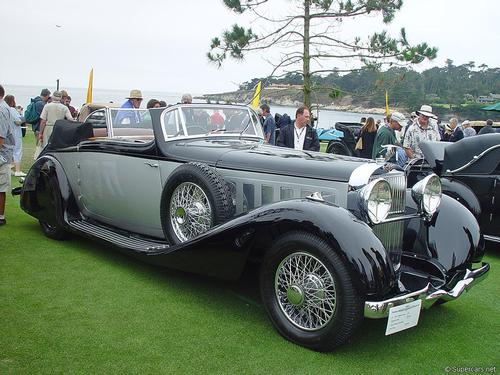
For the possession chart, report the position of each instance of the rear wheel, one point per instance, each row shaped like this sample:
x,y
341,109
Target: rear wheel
x,y
53,231
51,228
308,292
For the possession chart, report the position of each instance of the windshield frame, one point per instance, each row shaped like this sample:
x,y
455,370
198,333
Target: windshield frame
x,y
181,122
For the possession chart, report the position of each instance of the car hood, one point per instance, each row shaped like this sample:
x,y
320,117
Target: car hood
x,y
253,156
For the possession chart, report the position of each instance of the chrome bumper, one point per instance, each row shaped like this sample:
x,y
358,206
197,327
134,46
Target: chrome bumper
x,y
428,295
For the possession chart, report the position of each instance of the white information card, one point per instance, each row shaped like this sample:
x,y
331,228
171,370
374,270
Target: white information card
x,y
403,317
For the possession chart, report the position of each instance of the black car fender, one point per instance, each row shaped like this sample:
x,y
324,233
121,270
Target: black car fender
x,y
225,250
46,193
351,238
462,193
451,237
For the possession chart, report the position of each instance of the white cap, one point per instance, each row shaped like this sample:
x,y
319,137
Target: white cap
x,y
399,118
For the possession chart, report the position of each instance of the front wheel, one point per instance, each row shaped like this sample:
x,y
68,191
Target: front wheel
x,y
308,292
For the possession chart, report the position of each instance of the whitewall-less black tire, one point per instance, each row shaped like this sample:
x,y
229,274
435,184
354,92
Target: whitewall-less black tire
x,y
308,292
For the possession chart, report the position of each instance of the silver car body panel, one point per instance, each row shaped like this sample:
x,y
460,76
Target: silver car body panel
x,y
252,190
113,185
109,186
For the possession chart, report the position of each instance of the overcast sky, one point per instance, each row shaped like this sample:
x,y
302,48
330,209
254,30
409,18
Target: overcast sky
x,y
162,45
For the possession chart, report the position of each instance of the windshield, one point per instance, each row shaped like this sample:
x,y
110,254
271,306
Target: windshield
x,y
193,120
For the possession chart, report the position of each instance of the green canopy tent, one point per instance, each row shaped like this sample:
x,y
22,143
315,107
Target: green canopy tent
x,y
493,107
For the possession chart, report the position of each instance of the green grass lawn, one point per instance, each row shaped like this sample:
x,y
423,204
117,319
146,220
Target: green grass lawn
x,y
81,307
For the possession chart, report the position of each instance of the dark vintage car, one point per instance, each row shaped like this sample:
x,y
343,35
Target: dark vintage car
x,y
470,173
194,187
341,138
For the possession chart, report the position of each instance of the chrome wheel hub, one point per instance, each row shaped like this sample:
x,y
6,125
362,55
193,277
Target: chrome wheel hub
x,y
295,295
190,211
305,290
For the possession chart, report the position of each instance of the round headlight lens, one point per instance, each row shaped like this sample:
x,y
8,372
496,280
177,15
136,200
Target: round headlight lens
x,y
432,195
427,194
377,200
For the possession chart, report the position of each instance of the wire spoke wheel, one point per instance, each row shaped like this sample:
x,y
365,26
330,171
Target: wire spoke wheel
x,y
195,198
305,290
190,211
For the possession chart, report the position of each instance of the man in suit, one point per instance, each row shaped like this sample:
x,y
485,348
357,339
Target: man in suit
x,y
457,133
300,135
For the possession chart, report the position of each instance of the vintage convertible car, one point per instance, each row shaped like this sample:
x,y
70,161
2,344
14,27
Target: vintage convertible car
x,y
193,187
470,173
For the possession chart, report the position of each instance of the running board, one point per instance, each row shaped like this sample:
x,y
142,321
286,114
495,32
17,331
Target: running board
x,y
121,240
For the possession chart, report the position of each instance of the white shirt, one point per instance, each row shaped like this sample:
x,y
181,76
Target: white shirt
x,y
55,111
298,137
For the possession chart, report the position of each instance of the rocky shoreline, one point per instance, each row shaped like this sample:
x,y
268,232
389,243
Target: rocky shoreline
x,y
291,98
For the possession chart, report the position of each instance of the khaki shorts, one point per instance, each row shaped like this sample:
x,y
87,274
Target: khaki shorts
x,y
5,178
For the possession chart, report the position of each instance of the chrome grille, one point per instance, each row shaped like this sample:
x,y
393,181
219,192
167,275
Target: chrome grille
x,y
391,233
397,181
391,236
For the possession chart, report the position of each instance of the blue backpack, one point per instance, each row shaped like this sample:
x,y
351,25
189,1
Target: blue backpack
x,y
31,115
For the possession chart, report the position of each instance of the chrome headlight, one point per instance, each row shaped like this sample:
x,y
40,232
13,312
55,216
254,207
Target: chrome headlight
x,y
376,200
427,194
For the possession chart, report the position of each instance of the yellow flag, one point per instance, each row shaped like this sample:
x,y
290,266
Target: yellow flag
x,y
386,103
89,90
256,96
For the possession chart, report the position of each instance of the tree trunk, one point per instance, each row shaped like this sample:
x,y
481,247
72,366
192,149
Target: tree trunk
x,y
306,63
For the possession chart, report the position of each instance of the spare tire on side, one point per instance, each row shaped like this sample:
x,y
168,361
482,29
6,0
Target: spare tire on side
x,y
194,199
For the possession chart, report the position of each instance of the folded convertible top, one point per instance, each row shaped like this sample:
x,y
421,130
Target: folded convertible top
x,y
69,133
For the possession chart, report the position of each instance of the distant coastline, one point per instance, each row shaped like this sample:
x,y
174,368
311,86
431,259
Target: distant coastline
x,y
291,98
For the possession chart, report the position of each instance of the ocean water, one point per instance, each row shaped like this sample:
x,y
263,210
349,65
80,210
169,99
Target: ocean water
x,y
23,94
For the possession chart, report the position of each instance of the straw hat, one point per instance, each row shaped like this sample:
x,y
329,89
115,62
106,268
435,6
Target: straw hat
x,y
135,94
426,110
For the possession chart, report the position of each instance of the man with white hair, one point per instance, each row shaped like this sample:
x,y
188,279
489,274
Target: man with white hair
x,y
187,99
50,114
468,130
456,133
420,130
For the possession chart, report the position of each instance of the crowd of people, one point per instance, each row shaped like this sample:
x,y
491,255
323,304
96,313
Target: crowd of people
x,y
374,137
423,125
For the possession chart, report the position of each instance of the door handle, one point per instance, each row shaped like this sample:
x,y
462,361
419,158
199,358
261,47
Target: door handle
x,y
152,165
